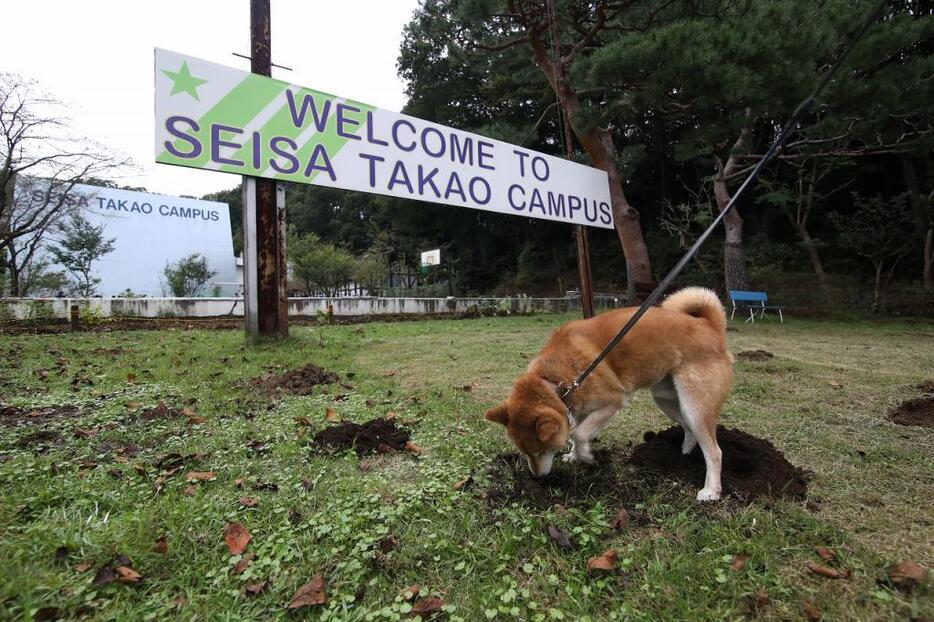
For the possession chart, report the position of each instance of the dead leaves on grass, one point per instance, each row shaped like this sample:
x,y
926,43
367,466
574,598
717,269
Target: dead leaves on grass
x,y
236,537
161,546
118,569
906,576
826,571
312,593
606,561
559,537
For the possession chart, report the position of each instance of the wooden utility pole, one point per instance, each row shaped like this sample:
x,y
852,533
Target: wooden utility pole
x,y
265,276
580,234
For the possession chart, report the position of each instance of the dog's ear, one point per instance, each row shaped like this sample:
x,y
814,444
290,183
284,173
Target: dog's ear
x,y
498,414
546,427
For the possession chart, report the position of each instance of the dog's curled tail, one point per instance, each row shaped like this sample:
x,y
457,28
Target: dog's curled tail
x,y
698,302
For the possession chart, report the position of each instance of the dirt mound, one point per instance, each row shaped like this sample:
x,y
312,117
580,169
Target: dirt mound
x,y
918,411
17,416
295,382
754,355
374,435
752,467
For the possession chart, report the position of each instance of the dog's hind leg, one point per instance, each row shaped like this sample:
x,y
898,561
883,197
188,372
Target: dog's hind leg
x,y
666,397
702,394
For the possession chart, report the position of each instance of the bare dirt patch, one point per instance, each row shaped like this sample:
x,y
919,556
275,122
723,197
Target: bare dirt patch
x,y
294,382
23,416
926,387
161,411
915,412
752,467
376,435
607,480
755,355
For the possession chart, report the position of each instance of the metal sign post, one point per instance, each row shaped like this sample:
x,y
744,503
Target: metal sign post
x,y
264,267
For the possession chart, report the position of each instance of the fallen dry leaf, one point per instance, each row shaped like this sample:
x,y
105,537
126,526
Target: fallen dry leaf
x,y
824,571
237,537
132,405
413,448
835,384
410,592
427,606
331,416
389,374
130,377
621,521
254,589
190,491
244,562
200,476
810,610
907,575
248,501
605,561
178,602
238,482
824,552
739,561
462,484
364,465
161,546
83,566
105,574
312,593
389,416
127,574
560,538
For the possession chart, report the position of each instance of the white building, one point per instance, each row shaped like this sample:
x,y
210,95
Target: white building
x,y
152,231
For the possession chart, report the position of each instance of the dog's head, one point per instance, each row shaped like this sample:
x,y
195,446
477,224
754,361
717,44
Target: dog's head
x,y
535,420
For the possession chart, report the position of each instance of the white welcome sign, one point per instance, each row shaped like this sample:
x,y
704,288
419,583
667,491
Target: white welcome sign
x,y
214,117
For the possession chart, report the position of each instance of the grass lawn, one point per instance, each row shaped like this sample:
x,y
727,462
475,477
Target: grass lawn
x,y
80,486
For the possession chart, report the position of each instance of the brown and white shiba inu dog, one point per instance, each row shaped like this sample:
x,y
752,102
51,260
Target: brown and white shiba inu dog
x,y
678,351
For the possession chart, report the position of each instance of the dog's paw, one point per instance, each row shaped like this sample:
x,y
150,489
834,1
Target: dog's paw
x,y
569,457
707,494
585,456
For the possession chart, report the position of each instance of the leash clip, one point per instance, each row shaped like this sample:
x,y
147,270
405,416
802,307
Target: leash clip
x,y
566,394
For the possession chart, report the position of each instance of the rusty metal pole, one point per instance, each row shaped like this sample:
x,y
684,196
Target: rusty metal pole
x,y
264,259
580,233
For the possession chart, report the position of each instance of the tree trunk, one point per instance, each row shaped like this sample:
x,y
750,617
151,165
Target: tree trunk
x,y
14,280
811,248
734,259
877,289
927,277
598,144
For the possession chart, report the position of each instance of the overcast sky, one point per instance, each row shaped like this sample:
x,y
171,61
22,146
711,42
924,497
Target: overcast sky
x,y
97,57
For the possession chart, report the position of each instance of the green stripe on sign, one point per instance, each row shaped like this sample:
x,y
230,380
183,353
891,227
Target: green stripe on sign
x,y
237,108
331,141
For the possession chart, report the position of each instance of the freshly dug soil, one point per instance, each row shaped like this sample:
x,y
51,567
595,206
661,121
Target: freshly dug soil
x,y
752,467
754,355
512,482
295,382
16,416
374,435
918,411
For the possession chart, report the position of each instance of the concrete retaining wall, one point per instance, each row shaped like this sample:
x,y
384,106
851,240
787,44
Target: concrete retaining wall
x,y
28,308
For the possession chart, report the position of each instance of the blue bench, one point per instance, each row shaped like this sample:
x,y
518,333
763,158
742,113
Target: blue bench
x,y
755,303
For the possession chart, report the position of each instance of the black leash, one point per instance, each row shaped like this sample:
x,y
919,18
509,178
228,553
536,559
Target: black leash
x,y
565,390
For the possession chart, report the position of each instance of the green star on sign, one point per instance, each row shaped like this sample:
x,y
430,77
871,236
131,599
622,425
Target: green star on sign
x,y
184,82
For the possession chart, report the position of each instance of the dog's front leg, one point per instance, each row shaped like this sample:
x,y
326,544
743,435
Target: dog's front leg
x,y
585,431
